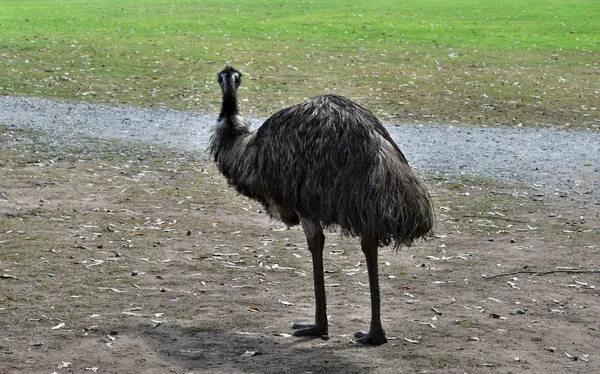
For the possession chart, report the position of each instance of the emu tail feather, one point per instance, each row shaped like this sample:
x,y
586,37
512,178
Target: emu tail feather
x,y
391,205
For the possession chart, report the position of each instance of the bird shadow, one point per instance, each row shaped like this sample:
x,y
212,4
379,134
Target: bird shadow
x,y
225,351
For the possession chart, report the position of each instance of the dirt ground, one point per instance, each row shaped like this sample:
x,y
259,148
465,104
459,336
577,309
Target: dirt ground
x,y
146,262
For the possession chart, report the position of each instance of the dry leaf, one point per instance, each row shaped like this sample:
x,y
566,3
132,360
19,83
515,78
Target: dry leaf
x,y
64,365
111,289
156,323
133,314
94,263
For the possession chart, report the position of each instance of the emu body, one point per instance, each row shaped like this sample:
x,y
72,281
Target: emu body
x,y
326,162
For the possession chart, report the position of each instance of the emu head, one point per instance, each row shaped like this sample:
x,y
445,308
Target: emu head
x,y
229,79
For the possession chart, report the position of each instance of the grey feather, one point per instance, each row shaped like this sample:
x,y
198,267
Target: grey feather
x,y
326,159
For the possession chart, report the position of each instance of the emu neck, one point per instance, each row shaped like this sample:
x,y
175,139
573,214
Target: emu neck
x,y
229,107
230,131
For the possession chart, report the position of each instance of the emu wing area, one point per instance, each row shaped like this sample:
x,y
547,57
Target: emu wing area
x,y
329,159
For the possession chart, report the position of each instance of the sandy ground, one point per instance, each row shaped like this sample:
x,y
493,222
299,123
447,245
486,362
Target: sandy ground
x,y
144,261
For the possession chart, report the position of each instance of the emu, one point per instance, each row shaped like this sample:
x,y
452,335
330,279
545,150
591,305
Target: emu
x,y
325,163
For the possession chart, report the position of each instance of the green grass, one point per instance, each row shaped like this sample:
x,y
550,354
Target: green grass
x,y
492,62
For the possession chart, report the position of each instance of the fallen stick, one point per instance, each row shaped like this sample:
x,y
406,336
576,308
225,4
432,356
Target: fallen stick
x,y
494,217
573,271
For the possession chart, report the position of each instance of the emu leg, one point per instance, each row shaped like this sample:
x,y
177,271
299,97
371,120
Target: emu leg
x,y
316,241
376,335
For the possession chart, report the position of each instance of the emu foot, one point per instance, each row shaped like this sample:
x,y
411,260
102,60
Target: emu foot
x,y
371,338
309,329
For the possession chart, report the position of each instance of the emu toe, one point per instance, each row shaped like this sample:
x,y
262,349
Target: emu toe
x,y
309,329
371,339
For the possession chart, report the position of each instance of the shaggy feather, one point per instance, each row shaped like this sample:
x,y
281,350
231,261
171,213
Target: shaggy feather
x,y
326,159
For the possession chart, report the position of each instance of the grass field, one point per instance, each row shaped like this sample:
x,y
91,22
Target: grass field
x,y
489,63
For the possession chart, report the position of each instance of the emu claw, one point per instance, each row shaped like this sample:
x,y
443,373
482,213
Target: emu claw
x,y
309,329
371,339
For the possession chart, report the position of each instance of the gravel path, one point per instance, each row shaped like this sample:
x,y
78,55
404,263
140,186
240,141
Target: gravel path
x,y
551,160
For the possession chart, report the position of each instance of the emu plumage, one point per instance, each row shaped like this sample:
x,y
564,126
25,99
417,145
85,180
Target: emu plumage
x,y
326,162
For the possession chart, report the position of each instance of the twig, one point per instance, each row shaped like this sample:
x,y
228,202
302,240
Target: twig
x,y
573,271
494,217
